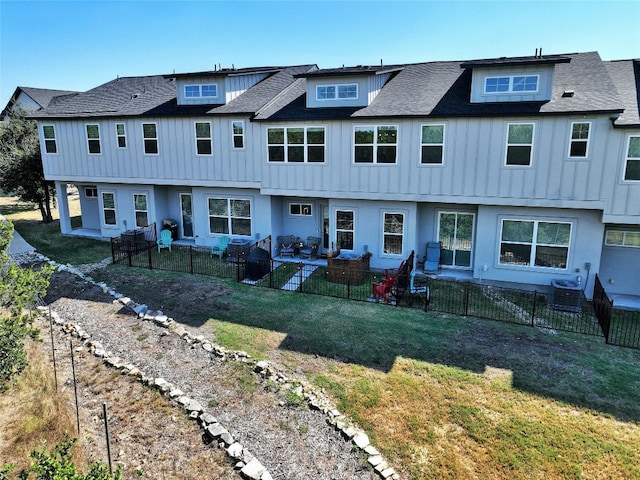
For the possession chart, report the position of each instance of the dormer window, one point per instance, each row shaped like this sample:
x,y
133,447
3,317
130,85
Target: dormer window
x,y
201,91
511,84
347,91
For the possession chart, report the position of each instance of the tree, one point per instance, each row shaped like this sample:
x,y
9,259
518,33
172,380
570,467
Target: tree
x,y
19,288
21,168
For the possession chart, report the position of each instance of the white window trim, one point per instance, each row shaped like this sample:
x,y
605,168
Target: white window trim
x,y
624,236
336,96
118,136
571,140
200,90
135,210
45,139
86,133
305,145
511,91
444,139
303,207
534,244
229,217
242,135
507,145
384,233
457,213
115,209
353,232
144,150
92,189
375,144
627,158
210,138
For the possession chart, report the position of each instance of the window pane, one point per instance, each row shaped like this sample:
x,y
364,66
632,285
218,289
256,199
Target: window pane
x,y
514,254
149,130
614,238
151,146
634,148
295,135
275,136
393,244
295,209
94,146
554,233
109,217
552,257
345,240
238,142
521,134
209,90
316,154
48,131
517,231
141,219
218,225
122,142
387,154
344,220
218,206
580,131
387,135
93,131
431,154
364,154
295,154
525,84
120,128
578,149
50,146
348,91
632,172
108,200
393,223
203,130
518,155
276,154
240,208
363,135
192,91
315,136
140,202
238,128
241,226
632,239
432,133
204,147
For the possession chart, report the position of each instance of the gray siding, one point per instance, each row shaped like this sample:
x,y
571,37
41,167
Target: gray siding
x,y
361,101
545,84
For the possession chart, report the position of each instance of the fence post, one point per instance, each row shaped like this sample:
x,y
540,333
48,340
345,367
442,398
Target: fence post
x,y
113,252
300,275
53,352
466,299
75,385
149,255
348,284
191,259
533,309
106,431
129,256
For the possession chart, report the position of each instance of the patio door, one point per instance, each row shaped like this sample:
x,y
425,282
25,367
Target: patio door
x,y
186,208
323,228
455,233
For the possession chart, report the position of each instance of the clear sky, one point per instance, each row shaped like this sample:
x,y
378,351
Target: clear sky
x,y
77,45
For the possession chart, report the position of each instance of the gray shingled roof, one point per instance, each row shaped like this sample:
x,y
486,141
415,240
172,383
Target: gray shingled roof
x,y
42,96
626,76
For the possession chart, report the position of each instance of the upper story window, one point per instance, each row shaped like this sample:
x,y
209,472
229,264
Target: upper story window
x,y
121,135
632,159
150,137
393,233
579,146
49,134
300,209
296,144
432,144
511,84
203,138
533,243
519,144
237,132
93,139
230,216
346,91
201,91
622,238
375,144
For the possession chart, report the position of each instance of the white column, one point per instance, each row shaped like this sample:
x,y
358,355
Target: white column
x,y
63,208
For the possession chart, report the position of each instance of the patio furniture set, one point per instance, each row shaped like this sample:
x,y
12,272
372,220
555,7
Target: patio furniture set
x,y
292,246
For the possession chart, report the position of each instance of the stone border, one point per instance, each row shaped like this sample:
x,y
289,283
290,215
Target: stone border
x,y
249,466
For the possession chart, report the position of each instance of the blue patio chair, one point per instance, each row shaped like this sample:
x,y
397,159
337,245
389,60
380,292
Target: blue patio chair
x,y
220,248
286,245
432,262
310,248
165,240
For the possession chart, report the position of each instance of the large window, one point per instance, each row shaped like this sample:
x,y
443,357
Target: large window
x,y
49,134
345,224
93,138
511,84
432,144
109,208
296,144
199,91
140,209
237,132
230,216
579,146
150,137
121,135
632,161
203,138
519,143
375,144
337,92
455,234
622,238
393,233
534,243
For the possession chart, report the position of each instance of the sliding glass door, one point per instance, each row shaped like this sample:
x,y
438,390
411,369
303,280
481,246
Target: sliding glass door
x,y
455,233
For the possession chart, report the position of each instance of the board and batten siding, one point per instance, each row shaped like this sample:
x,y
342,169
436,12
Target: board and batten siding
x,y
176,163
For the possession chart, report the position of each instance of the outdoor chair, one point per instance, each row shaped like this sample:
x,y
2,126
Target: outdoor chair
x,y
432,262
420,290
310,248
165,240
220,249
286,245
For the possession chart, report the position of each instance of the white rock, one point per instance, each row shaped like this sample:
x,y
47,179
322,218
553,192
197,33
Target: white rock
x,y
361,440
253,470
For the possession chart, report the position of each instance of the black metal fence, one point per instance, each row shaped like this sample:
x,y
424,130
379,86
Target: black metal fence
x,y
534,308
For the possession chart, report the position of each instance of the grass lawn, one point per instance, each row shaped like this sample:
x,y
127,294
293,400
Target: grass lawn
x,y
442,396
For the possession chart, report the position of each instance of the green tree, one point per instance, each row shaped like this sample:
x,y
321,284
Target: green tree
x,y
19,288
21,170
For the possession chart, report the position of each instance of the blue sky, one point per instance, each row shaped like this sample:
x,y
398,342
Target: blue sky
x,y
77,45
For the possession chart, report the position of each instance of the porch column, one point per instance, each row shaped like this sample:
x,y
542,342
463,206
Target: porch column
x,y
63,208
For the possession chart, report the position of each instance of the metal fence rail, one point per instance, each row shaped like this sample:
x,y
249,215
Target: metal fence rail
x,y
532,308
